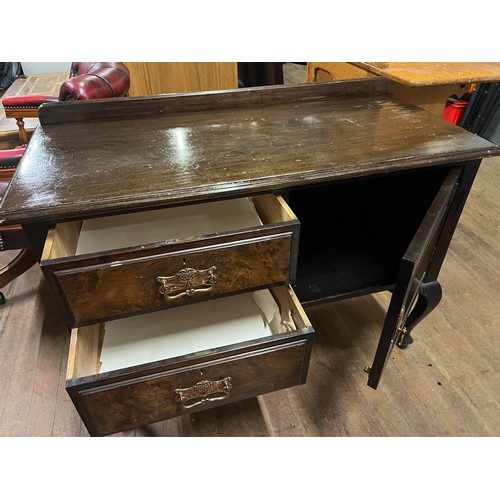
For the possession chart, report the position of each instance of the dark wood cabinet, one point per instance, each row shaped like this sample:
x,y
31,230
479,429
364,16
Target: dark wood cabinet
x,y
354,193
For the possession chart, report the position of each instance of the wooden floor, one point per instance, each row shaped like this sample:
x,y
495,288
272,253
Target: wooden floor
x,y
446,384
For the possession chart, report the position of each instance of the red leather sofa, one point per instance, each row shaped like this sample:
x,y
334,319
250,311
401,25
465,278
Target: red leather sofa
x,y
87,80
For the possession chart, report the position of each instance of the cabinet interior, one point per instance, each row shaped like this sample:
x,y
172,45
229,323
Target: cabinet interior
x,y
355,233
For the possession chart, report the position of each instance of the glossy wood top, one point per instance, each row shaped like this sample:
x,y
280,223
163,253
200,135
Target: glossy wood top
x,y
98,157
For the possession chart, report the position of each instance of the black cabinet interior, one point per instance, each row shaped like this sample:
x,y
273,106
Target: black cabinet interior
x,y
354,233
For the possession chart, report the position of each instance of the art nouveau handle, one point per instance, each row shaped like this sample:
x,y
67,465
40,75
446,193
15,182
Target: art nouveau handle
x,y
187,281
204,392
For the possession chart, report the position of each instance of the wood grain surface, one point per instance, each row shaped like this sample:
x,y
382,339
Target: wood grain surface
x,y
149,78
417,74
154,152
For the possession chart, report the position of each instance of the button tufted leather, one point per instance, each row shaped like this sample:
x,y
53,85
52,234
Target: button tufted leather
x,y
26,101
98,81
9,158
87,80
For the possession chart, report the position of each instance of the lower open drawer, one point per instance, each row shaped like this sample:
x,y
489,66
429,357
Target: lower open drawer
x,y
131,372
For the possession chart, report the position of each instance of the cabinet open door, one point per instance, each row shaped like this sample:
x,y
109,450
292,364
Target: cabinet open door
x,y
411,287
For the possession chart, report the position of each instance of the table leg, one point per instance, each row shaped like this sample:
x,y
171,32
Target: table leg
x,y
429,296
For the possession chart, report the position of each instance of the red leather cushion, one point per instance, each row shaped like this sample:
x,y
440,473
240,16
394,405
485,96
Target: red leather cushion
x,y
99,83
9,158
80,68
27,101
93,80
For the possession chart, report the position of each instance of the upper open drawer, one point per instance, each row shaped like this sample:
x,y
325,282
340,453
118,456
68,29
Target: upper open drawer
x,y
127,264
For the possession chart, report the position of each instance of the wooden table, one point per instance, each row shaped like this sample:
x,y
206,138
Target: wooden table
x,y
428,85
377,185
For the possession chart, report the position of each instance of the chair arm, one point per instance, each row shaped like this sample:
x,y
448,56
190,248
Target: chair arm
x,y
102,81
18,103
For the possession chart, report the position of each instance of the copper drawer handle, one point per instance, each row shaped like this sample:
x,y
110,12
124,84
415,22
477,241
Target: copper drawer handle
x,y
203,392
187,281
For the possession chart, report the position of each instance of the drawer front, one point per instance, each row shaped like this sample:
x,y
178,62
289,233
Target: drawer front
x,y
109,406
98,289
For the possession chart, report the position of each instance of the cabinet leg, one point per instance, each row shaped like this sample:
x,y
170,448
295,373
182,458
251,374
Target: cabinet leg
x,y
429,296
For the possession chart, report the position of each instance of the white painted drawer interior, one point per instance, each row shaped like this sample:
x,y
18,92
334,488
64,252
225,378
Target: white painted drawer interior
x,y
142,228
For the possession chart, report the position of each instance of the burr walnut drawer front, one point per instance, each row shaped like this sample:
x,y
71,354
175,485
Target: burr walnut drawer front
x,y
138,370
117,266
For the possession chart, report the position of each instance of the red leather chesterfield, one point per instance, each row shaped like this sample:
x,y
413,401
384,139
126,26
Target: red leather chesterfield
x,y
9,158
88,80
12,237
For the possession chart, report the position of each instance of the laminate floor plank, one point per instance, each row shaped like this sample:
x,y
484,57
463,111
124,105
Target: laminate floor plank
x,y
23,295
12,319
280,415
174,427
51,355
387,412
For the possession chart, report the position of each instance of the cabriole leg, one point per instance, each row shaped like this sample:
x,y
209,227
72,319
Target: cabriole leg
x,y
429,296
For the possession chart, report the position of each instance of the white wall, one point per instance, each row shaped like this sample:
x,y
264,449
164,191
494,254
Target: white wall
x,y
34,68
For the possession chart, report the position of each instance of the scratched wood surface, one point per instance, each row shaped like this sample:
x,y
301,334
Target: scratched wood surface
x,y
446,384
162,150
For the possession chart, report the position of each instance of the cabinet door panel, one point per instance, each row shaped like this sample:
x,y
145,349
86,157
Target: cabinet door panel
x,y
412,274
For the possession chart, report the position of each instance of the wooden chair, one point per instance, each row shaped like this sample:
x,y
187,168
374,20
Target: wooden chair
x,y
12,237
87,80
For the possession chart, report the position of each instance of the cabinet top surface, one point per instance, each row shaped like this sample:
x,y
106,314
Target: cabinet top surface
x,y
99,157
